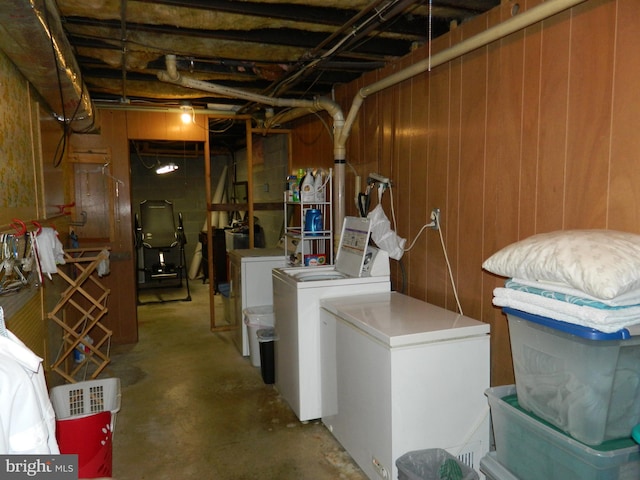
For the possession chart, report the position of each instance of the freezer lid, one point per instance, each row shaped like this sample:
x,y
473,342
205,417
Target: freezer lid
x,y
353,246
399,320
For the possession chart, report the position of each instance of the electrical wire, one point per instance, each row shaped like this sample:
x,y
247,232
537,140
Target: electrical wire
x,y
325,124
424,227
140,156
335,49
393,212
453,283
438,227
433,224
226,124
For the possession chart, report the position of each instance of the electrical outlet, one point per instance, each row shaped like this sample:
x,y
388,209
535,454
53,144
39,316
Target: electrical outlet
x,y
379,468
435,218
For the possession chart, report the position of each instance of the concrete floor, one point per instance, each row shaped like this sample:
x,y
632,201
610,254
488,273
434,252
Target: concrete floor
x,y
194,408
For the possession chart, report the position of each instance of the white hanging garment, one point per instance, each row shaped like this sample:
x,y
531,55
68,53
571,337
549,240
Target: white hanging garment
x,y
381,232
27,418
50,252
103,265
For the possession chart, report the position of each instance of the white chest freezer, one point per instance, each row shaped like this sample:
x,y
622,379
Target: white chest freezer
x,y
398,375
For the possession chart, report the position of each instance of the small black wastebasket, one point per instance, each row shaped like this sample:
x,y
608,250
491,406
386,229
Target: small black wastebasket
x,y
266,338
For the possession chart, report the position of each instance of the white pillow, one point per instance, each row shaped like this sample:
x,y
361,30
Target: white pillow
x,y
602,263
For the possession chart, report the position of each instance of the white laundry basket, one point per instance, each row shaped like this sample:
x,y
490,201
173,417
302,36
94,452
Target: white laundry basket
x,y
85,421
256,318
81,399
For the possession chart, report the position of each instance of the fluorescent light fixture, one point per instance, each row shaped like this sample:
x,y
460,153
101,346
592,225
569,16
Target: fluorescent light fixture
x,y
223,107
166,168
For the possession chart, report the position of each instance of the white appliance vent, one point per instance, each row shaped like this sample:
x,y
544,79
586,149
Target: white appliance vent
x,y
466,458
469,454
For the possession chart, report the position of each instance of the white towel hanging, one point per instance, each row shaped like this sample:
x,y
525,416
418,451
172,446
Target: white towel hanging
x,y
50,252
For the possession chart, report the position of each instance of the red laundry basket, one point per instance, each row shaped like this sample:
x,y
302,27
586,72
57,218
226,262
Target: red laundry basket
x,y
85,423
90,438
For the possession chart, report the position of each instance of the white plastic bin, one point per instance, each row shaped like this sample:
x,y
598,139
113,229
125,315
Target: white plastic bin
x,y
256,318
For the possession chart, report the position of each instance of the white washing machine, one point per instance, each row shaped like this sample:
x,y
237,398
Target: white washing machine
x,y
359,269
250,285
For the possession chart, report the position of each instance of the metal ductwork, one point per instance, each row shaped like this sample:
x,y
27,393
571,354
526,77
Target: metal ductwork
x,y
31,35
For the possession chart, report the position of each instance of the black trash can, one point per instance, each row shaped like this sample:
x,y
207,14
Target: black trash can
x,y
267,338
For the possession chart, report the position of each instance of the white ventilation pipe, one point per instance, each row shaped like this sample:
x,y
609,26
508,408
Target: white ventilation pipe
x,y
512,25
173,76
301,107
339,157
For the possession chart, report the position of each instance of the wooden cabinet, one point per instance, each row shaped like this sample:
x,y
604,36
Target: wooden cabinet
x,y
95,189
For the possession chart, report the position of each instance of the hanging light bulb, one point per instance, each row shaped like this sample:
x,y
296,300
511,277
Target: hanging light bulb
x,y
187,114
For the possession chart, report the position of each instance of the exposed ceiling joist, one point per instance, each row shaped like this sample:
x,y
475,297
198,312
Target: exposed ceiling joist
x,y
296,48
248,44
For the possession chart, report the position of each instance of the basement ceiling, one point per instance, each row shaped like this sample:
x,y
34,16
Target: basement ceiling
x,y
295,49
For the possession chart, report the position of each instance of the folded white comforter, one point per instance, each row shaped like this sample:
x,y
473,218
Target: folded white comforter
x,y
604,320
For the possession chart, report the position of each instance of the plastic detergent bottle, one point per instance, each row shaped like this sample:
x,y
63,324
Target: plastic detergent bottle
x,y
292,188
307,187
81,351
318,186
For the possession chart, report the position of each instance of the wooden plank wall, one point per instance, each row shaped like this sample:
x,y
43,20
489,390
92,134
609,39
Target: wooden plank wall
x,y
533,133
117,127
122,316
